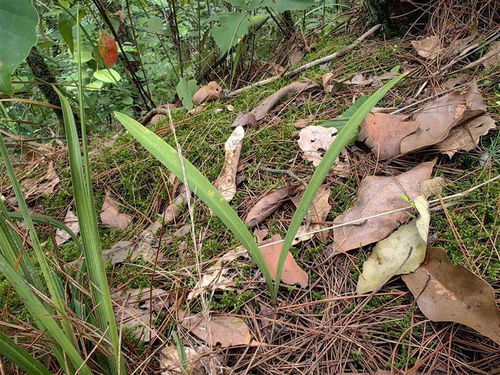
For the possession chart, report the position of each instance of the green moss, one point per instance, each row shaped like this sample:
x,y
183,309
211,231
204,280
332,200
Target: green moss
x,y
231,300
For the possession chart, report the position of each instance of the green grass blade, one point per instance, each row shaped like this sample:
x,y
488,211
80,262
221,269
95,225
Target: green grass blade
x,y
20,357
86,213
344,137
43,318
198,184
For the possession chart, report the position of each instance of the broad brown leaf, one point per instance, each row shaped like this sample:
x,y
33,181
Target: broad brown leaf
x,y
428,48
207,93
219,329
466,136
448,293
292,273
269,203
72,223
376,195
113,218
438,117
383,133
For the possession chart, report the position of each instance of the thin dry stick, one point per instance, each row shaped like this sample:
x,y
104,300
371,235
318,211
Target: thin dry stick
x,y
309,65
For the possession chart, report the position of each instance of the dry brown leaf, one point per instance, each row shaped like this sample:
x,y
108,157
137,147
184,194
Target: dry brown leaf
x,y
428,48
207,93
137,321
493,56
155,299
466,136
110,215
360,80
200,361
319,210
225,330
216,276
175,208
269,203
267,104
383,133
327,82
72,223
314,141
433,187
38,187
438,117
145,246
226,182
376,195
292,273
448,293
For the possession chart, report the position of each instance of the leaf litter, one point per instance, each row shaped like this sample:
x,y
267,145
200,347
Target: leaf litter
x,y
71,221
111,216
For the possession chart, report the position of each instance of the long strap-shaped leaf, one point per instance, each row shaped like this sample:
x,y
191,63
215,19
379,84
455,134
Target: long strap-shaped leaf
x,y
86,213
346,135
18,355
198,183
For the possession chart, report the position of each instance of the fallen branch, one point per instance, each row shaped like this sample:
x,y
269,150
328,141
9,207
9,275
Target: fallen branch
x,y
302,68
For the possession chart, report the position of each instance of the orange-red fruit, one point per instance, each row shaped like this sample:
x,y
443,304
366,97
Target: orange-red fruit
x,y
108,49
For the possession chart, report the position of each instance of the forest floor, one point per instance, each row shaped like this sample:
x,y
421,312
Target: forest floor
x,y
324,328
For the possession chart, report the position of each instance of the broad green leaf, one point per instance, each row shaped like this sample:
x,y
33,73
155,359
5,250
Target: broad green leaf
x,y
186,90
400,253
86,55
346,136
232,27
107,75
65,25
18,355
155,25
199,185
281,6
18,22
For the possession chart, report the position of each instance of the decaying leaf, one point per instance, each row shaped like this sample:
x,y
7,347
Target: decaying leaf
x,y
493,56
448,293
267,104
175,208
155,299
107,49
433,187
72,223
269,203
400,253
110,215
145,246
377,195
317,212
383,133
199,361
466,136
292,273
225,330
207,93
34,188
216,276
226,182
438,117
429,48
137,321
327,82
360,80
314,141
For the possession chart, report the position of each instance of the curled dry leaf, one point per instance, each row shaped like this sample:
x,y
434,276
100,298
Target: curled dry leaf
x,y
466,136
438,117
72,223
383,133
207,93
378,195
314,141
317,213
292,273
400,253
216,277
448,293
327,82
429,48
226,182
225,330
267,104
269,203
113,218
